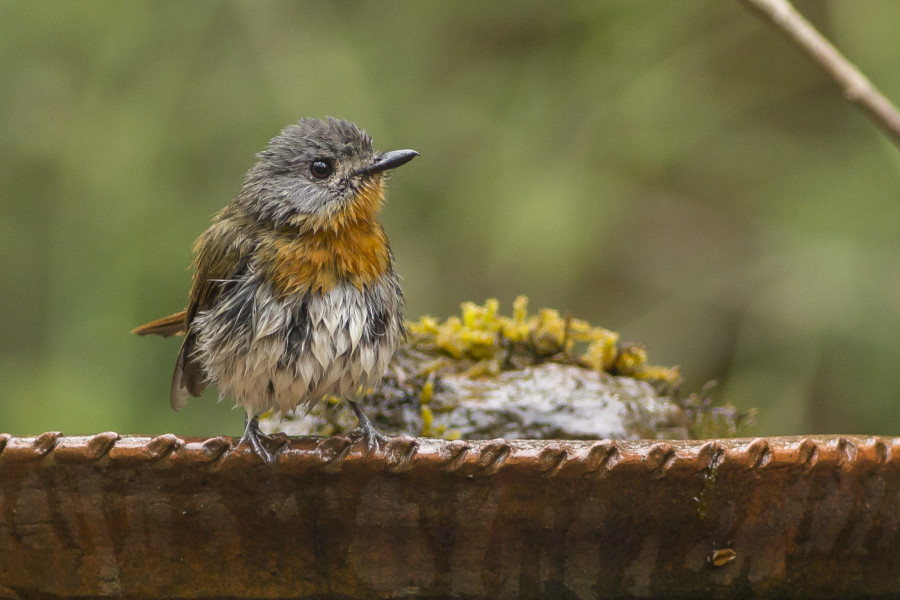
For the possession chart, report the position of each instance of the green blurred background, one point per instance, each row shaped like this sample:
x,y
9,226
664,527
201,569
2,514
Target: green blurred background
x,y
674,171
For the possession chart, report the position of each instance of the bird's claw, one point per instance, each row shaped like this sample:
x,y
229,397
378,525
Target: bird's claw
x,y
252,434
373,438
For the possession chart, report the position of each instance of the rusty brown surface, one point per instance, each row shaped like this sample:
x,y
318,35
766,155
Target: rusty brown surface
x,y
799,517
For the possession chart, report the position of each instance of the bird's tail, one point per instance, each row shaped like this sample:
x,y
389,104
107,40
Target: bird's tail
x,y
172,325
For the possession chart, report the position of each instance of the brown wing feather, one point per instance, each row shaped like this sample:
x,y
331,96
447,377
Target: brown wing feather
x,y
220,254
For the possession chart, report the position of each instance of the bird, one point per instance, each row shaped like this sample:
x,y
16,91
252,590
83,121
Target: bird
x,y
294,296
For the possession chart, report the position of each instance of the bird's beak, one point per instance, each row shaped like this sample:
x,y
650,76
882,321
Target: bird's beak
x,y
387,160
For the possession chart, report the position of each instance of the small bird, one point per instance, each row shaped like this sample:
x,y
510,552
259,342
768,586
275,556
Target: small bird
x,y
294,295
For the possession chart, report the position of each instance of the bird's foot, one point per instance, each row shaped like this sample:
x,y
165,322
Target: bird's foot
x,y
252,434
366,431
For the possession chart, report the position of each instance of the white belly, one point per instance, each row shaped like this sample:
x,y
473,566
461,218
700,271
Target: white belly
x,y
288,354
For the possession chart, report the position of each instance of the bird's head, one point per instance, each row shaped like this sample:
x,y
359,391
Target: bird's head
x,y
315,173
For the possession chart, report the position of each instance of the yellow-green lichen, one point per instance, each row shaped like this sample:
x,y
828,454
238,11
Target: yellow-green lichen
x,y
484,342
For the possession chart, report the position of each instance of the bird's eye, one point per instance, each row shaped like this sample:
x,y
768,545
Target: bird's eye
x,y
321,169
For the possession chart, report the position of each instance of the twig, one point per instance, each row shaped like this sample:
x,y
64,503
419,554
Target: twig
x,y
856,87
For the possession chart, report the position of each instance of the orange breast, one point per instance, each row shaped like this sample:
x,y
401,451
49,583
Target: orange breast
x,y
351,247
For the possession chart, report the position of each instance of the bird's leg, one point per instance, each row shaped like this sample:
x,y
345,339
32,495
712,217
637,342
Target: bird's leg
x,y
365,430
252,435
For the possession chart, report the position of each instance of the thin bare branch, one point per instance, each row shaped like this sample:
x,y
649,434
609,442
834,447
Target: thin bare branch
x,y
857,88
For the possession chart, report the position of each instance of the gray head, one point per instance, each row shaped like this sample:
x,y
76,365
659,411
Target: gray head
x,y
313,170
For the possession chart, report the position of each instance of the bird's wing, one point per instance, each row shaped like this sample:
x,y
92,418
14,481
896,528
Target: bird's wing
x,y
221,254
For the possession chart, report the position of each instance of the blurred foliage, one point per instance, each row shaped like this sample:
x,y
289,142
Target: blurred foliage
x,y
673,171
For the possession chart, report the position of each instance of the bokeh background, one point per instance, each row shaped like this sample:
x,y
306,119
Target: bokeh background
x,y
675,171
